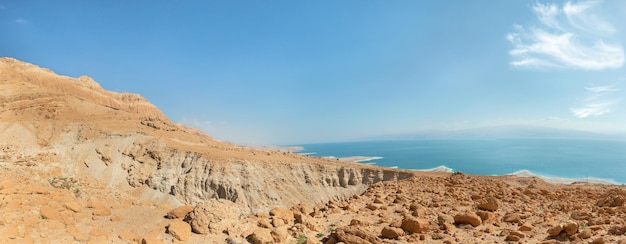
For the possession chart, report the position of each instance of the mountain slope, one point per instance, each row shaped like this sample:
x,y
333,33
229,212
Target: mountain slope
x,y
125,141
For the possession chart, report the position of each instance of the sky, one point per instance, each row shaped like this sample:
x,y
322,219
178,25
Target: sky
x,y
289,72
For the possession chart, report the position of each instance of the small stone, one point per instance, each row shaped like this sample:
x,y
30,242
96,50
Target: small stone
x,y
526,227
391,232
511,218
265,223
414,225
517,233
570,228
179,230
555,231
281,216
263,215
179,212
467,218
489,204
598,240
512,238
359,222
585,234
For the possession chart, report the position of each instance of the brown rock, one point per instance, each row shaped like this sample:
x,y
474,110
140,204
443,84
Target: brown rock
x,y
261,236
526,227
281,216
359,222
450,228
585,234
599,240
555,231
179,230
280,234
511,218
265,223
512,238
179,212
617,230
517,233
354,234
612,198
414,225
487,216
570,228
391,232
467,218
444,218
213,216
489,204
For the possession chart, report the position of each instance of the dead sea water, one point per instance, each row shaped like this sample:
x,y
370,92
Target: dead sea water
x,y
551,158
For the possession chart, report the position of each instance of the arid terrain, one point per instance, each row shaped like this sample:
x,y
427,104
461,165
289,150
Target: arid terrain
x,y
79,164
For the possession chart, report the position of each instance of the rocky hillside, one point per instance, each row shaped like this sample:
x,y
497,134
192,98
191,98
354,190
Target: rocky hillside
x,y
79,164
60,127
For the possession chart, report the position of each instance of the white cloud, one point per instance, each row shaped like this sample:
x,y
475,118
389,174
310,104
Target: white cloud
x,y
21,21
571,36
597,102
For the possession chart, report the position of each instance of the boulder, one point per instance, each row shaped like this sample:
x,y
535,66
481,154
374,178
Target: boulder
x,y
467,218
213,216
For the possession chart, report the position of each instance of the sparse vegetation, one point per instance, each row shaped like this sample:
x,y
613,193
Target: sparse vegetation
x,y
301,239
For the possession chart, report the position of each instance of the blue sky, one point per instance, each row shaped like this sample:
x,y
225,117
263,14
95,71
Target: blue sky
x,y
283,72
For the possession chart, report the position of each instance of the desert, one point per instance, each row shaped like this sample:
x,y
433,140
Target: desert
x,y
80,164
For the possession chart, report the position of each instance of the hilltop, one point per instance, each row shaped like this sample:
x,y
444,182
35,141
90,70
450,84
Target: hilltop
x,y
82,164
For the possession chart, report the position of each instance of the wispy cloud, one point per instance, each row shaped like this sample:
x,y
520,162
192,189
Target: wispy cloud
x,y
597,102
568,36
21,21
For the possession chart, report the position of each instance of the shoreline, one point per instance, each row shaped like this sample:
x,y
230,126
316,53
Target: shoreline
x,y
524,173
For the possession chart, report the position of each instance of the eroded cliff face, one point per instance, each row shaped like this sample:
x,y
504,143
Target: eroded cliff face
x,y
55,122
255,186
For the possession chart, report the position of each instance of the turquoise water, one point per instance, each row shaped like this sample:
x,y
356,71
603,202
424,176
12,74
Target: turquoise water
x,y
566,158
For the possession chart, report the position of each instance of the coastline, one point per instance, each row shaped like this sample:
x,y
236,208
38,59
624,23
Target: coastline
x,y
554,161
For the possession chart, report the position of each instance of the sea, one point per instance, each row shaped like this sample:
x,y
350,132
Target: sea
x,y
555,160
